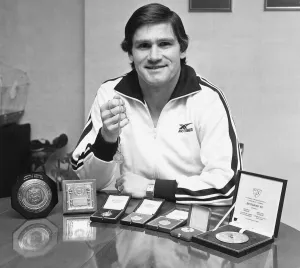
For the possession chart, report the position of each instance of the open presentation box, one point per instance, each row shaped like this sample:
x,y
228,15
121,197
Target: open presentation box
x,y
255,217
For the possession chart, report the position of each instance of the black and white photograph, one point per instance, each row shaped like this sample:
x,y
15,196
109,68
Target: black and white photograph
x,y
149,134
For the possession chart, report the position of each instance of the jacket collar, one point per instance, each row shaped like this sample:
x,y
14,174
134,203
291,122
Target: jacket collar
x,y
187,84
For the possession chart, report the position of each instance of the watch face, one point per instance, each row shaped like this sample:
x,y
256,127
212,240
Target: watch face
x,y
150,191
150,188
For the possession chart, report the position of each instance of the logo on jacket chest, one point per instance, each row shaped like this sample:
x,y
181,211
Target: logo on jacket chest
x,y
185,128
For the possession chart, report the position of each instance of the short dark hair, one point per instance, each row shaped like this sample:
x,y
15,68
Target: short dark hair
x,y
154,14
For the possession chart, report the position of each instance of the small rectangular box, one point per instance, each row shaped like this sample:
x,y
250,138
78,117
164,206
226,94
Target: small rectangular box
x,y
79,196
113,209
144,212
255,220
197,223
167,222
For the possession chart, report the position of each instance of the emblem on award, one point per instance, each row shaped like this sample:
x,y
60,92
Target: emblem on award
x,y
79,196
35,238
34,195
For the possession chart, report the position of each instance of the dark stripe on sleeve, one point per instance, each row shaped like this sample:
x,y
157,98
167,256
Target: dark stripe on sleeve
x,y
190,198
85,132
222,191
234,161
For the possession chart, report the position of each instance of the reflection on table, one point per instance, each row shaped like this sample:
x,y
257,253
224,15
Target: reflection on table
x,y
73,241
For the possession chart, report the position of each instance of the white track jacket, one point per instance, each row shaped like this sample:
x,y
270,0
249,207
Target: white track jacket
x,y
192,153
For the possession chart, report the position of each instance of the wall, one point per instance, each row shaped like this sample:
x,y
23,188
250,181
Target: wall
x,y
45,39
251,54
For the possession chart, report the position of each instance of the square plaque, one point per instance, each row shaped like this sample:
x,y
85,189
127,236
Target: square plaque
x,y
255,220
113,208
78,228
197,223
176,217
144,212
79,196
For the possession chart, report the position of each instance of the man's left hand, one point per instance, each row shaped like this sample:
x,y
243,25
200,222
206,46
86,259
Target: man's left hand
x,y
133,184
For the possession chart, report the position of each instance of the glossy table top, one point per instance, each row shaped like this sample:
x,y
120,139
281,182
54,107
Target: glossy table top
x,y
73,241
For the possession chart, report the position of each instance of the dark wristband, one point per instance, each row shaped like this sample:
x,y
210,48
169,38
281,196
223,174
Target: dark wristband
x,y
102,149
165,189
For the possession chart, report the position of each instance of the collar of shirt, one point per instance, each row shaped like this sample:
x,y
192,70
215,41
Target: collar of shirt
x,y
187,84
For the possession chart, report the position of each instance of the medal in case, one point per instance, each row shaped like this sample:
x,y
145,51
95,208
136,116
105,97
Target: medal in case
x,y
254,219
167,222
112,209
232,237
144,212
197,223
34,195
79,196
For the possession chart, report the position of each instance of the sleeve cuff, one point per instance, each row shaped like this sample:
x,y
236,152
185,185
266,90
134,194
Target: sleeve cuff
x,y
165,189
104,150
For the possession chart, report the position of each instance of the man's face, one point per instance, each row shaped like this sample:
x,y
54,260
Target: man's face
x,y
156,55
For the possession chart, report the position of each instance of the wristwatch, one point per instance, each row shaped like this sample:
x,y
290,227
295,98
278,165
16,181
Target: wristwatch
x,y
150,189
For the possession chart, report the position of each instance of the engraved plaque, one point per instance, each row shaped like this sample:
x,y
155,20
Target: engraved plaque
x,y
78,229
34,195
35,238
79,196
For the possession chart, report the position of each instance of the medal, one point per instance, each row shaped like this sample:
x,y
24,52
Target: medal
x,y
187,229
164,222
136,218
232,237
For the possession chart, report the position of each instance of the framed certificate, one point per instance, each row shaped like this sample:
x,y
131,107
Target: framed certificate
x,y
255,219
144,212
79,196
112,209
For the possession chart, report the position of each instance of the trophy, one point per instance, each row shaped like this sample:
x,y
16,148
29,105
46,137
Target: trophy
x,y
34,195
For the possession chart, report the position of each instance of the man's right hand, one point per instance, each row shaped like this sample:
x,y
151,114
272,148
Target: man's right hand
x,y
111,112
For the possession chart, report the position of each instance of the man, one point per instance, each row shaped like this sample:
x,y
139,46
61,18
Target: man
x,y
171,128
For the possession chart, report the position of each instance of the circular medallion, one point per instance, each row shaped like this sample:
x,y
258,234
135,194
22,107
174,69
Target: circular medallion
x,y
187,229
136,218
34,195
164,222
232,237
118,158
